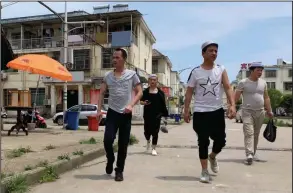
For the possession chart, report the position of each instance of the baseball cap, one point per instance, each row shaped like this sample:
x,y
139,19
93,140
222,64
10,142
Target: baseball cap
x,y
256,65
208,43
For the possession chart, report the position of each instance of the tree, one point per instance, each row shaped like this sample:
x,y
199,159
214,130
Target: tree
x,y
286,103
276,98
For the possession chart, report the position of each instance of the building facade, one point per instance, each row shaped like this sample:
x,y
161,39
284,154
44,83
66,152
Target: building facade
x,y
90,49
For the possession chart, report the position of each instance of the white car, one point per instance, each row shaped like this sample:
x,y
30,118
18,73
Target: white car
x,y
85,111
238,117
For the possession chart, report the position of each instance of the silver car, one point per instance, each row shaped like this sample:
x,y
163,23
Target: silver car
x,y
85,111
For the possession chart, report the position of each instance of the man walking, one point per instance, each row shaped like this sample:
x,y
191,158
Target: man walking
x,y
154,103
206,82
120,82
255,97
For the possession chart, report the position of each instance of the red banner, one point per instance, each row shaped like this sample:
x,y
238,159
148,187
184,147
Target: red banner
x,y
166,90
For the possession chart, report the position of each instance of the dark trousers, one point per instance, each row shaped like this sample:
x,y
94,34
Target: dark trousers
x,y
114,121
152,128
210,125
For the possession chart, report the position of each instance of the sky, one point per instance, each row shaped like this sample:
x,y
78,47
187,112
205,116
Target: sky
x,y
245,31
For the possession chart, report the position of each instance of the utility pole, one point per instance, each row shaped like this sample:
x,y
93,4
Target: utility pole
x,y
65,62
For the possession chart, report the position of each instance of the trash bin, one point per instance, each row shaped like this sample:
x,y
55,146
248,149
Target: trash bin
x,y
177,118
72,120
93,123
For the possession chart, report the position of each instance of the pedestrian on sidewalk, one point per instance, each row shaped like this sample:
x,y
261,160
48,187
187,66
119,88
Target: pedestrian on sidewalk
x,y
255,99
206,82
120,82
154,109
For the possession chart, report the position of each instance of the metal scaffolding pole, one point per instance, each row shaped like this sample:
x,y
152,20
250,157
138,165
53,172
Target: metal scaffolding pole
x,y
65,33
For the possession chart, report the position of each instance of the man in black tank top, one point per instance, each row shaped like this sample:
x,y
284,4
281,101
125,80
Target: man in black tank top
x,y
154,103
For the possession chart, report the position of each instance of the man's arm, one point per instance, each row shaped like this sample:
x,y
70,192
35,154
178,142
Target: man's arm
x,y
138,94
102,93
227,88
267,101
188,97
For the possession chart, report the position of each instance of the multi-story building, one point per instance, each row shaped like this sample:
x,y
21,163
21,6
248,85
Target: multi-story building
x,y
89,52
161,66
175,83
277,76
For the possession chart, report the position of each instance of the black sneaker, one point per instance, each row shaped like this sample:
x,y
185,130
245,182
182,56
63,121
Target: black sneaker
x,y
119,177
109,168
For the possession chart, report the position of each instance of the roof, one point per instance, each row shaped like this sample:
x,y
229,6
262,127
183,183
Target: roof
x,y
81,15
159,55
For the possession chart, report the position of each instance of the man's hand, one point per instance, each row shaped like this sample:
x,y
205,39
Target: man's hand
x,y
99,115
231,112
270,114
128,109
187,117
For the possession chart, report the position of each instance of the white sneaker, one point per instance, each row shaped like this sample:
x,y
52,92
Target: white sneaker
x,y
249,159
205,176
256,158
214,165
148,146
154,152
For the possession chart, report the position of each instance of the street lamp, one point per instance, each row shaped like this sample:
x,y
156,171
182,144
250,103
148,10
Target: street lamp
x,y
65,33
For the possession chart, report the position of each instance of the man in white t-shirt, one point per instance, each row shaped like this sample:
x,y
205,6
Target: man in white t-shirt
x,y
255,97
208,81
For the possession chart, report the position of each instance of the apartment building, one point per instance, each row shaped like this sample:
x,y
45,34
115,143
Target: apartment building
x,y
277,76
89,54
161,66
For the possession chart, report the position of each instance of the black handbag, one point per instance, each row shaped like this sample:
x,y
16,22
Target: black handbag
x,y
270,132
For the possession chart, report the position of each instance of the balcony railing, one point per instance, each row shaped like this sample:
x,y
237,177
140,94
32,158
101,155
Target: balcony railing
x,y
81,63
51,42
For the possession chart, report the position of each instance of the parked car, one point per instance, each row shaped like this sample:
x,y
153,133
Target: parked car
x,y
85,111
238,117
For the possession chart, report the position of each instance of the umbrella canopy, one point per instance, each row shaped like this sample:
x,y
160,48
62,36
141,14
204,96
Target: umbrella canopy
x,y
42,65
6,51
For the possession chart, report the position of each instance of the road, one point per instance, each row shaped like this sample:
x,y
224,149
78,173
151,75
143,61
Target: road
x,y
177,169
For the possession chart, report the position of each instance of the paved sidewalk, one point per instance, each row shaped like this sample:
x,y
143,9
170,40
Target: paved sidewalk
x,y
176,171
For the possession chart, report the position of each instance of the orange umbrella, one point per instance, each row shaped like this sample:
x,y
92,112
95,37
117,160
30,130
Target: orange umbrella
x,y
42,65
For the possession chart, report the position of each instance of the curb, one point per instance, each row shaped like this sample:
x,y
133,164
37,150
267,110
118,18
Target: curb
x,y
62,166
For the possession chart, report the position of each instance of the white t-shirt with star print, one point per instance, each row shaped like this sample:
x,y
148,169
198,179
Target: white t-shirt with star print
x,y
208,88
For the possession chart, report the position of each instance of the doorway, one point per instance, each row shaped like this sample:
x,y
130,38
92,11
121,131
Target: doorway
x,y
72,98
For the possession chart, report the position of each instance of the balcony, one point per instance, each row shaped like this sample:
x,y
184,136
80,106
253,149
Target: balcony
x,y
51,42
117,39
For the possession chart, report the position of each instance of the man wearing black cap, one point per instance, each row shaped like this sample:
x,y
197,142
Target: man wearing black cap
x,y
207,81
255,98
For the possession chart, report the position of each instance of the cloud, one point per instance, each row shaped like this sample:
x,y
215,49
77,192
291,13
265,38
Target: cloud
x,y
195,24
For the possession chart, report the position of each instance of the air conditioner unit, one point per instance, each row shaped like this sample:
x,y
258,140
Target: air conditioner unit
x,y
4,76
47,102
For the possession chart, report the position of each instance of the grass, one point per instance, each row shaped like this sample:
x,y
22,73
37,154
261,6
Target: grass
x,y
4,175
28,167
115,147
17,184
78,152
64,157
49,175
43,163
133,140
88,141
49,147
18,152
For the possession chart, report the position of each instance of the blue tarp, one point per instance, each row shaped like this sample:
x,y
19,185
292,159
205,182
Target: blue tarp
x,y
121,39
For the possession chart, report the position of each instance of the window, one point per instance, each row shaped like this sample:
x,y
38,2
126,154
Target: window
x,y
271,85
7,96
155,66
106,97
145,64
270,73
88,108
247,73
288,86
81,59
290,73
40,94
74,108
107,54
